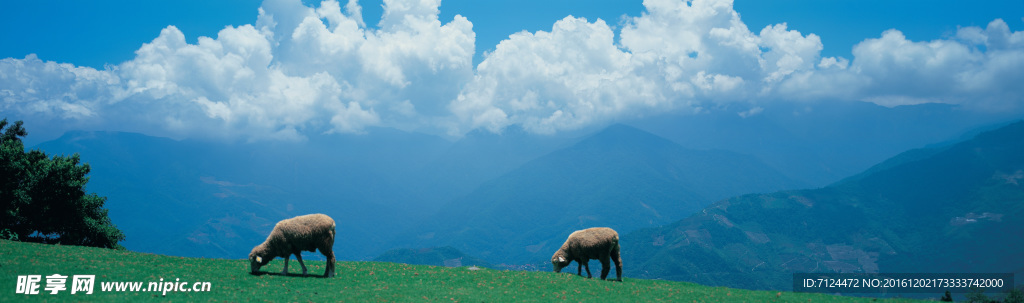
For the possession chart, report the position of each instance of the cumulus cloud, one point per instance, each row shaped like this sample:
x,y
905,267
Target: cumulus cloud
x,y
231,82
979,67
33,87
750,113
297,70
550,81
300,70
698,55
411,59
676,56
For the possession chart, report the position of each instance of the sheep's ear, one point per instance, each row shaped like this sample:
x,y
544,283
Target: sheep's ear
x,y
560,259
259,259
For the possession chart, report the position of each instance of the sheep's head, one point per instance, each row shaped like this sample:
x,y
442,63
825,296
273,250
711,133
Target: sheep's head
x,y
256,261
558,261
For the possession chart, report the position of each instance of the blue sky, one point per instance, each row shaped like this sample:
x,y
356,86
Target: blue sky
x,y
273,76
94,33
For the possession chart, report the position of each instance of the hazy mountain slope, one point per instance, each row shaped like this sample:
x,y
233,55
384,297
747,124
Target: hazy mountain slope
x,y
437,256
211,199
957,208
481,156
821,142
621,177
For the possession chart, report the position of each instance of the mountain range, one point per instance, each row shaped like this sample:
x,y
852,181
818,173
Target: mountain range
x,y
620,177
436,256
219,199
822,143
950,208
507,198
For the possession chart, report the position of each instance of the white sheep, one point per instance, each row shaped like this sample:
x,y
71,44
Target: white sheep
x,y
593,243
292,236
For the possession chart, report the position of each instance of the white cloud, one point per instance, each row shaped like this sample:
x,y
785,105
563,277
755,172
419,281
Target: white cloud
x,y
31,86
300,70
979,68
898,66
751,112
677,55
232,81
698,54
413,57
549,81
684,44
789,52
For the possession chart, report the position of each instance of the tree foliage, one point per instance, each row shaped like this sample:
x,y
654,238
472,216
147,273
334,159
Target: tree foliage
x,y
44,199
1015,295
947,297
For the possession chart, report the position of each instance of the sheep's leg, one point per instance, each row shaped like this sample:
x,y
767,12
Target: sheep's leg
x,y
579,268
285,270
298,256
329,253
605,268
618,263
326,247
586,265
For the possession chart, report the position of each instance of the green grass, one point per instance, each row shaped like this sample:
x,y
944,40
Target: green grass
x,y
356,281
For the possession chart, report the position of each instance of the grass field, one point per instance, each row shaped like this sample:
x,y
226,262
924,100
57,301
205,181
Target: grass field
x,y
355,281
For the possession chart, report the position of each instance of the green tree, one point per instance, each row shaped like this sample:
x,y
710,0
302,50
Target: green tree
x,y
1015,296
44,199
948,297
977,295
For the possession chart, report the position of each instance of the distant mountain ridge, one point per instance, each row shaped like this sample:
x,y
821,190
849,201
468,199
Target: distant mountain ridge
x,y
218,199
820,143
437,256
206,199
620,177
955,208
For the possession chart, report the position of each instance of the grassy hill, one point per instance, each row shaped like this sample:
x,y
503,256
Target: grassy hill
x,y
356,281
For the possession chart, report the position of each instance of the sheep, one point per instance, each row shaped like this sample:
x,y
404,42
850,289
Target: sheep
x,y
592,243
292,236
